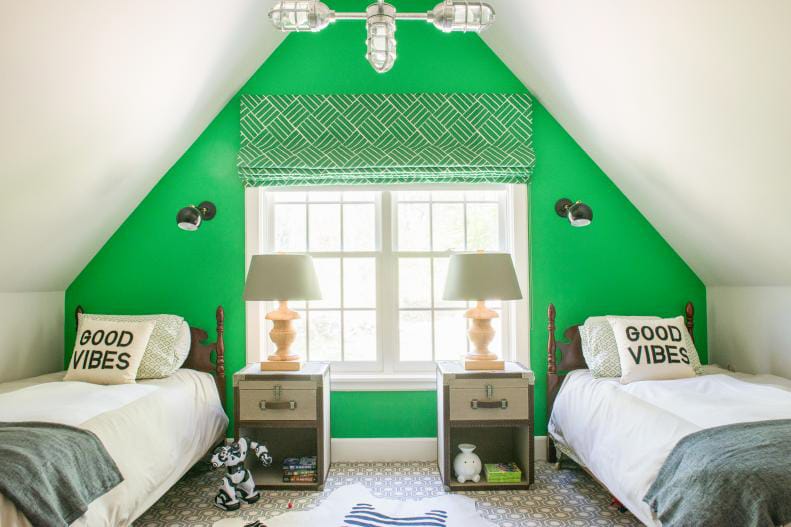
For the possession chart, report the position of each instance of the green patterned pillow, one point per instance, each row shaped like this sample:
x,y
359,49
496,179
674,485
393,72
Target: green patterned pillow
x,y
601,350
165,352
599,347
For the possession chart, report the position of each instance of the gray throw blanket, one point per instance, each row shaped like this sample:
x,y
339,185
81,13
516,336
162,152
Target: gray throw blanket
x,y
736,475
52,472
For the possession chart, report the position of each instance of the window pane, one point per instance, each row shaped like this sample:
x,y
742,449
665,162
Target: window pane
x,y
450,335
359,227
440,276
290,197
328,271
483,227
325,227
359,282
448,224
290,228
412,195
447,195
325,335
484,195
354,195
359,335
414,282
415,335
325,196
300,344
496,345
413,227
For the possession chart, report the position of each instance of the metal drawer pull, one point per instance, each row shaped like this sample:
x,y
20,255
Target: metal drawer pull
x,y
285,405
502,404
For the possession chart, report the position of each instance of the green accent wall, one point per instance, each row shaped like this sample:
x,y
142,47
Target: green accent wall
x,y
619,264
386,414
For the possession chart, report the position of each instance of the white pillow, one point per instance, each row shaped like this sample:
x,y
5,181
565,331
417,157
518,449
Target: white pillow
x,y
599,347
653,349
162,357
108,351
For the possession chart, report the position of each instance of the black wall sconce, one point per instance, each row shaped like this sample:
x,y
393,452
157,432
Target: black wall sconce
x,y
578,214
189,218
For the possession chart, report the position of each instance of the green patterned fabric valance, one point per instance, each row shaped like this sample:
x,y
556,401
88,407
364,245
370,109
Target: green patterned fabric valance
x,y
385,138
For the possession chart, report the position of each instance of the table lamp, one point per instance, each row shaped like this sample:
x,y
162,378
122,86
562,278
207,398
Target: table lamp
x,y
480,277
282,277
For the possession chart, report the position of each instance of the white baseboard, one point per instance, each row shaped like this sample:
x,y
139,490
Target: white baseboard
x,y
347,450
541,448
384,449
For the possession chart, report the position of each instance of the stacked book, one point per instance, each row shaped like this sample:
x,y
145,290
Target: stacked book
x,y
503,473
300,470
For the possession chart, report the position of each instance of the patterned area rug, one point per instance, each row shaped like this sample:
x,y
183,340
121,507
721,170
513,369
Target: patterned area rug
x,y
355,506
558,499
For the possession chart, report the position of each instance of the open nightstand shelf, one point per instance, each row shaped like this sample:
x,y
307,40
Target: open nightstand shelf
x,y
502,432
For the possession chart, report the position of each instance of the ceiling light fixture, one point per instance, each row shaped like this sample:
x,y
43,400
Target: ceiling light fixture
x,y
448,16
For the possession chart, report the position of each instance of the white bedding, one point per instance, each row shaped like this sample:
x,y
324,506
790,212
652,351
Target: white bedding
x,y
624,433
155,431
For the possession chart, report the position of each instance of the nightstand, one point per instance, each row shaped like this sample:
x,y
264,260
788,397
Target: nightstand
x,y
289,412
492,410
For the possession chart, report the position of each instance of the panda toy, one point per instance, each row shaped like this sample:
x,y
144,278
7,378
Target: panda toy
x,y
237,484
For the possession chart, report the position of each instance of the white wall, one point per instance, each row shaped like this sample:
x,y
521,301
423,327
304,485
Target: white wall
x,y
31,334
750,328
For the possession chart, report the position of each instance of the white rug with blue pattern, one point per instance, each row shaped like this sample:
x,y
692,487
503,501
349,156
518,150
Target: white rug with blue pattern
x,y
355,506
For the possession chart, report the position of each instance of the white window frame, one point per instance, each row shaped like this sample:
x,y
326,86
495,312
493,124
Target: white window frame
x,y
387,373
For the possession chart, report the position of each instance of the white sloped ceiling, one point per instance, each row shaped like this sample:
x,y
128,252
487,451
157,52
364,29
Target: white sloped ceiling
x,y
686,105
97,100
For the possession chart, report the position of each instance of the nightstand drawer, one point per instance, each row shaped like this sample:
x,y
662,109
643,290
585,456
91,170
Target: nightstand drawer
x,y
497,403
278,402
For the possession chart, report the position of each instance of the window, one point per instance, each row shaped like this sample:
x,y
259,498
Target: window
x,y
381,256
428,227
339,229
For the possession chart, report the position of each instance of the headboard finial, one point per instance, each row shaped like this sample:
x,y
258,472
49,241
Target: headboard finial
x,y
552,366
689,320
77,312
220,352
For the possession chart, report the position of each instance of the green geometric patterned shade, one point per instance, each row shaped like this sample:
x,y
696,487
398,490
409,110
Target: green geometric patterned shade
x,y
385,138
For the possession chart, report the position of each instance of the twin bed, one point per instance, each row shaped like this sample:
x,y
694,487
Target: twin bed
x,y
623,434
154,430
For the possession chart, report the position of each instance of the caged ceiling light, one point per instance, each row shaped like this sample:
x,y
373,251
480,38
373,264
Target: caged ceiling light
x,y
380,17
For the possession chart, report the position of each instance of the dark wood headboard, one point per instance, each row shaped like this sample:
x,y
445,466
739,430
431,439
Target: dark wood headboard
x,y
199,357
569,351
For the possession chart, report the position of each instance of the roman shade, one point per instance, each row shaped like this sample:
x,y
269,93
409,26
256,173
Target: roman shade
x,y
385,138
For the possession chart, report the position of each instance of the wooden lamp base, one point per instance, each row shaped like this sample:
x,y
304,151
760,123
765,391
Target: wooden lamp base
x,y
481,333
282,335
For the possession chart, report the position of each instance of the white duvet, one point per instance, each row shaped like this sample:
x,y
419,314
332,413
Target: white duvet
x,y
154,430
624,433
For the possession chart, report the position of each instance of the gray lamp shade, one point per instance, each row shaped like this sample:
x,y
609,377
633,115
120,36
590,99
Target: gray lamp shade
x,y
282,277
481,276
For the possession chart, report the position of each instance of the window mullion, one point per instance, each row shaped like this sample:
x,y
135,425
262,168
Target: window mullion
x,y
343,302
387,301
431,272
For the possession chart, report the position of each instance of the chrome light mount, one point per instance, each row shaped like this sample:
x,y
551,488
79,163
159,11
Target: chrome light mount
x,y
448,16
